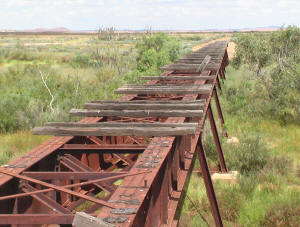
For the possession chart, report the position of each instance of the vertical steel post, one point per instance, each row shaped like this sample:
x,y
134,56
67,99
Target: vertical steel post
x,y
216,138
219,84
218,106
164,195
223,72
15,210
208,184
221,117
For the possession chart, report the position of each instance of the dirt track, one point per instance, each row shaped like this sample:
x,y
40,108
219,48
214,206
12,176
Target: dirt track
x,y
230,49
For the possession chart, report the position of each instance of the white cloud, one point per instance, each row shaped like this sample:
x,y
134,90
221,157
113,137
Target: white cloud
x,y
161,14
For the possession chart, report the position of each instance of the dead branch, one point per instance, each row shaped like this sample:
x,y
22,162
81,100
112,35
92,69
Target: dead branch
x,y
46,86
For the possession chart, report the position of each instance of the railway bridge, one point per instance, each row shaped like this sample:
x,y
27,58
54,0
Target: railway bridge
x,y
126,162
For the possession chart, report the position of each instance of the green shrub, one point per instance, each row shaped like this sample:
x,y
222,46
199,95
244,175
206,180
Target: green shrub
x,y
192,38
253,50
251,155
80,61
155,51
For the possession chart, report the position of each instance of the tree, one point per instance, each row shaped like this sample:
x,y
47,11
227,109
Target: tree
x,y
253,50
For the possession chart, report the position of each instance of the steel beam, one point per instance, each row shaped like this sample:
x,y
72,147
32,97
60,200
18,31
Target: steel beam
x,y
208,184
35,219
69,186
217,139
72,175
58,188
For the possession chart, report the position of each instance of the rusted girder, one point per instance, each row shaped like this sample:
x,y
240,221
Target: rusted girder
x,y
69,186
36,219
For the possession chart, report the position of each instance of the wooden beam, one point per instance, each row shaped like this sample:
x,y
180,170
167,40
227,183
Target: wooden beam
x,y
136,113
143,106
155,101
162,89
193,78
171,86
119,124
105,148
189,67
196,60
115,131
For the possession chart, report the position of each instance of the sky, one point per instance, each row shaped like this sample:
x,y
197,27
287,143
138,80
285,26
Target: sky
x,y
140,14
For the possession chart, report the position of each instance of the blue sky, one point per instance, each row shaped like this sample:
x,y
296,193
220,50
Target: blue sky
x,y
139,14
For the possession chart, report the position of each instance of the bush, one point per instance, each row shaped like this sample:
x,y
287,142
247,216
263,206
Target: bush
x,y
25,101
252,49
155,51
80,61
192,38
251,155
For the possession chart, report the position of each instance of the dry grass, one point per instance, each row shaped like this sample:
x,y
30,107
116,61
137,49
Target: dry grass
x,y
17,144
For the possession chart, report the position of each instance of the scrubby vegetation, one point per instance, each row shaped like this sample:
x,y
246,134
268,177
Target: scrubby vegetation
x,y
261,106
275,84
38,86
41,79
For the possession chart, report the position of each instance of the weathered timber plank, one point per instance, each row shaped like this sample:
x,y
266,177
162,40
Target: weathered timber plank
x,y
193,78
203,64
212,53
163,89
196,61
142,106
161,92
196,55
189,67
115,131
173,86
136,113
119,124
153,101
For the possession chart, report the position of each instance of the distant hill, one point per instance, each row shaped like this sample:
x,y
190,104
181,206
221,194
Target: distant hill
x,y
55,30
262,29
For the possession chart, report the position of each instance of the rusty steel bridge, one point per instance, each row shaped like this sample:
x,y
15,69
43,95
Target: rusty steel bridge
x,y
126,162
